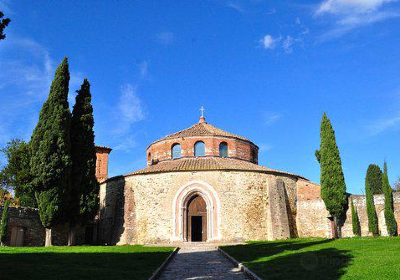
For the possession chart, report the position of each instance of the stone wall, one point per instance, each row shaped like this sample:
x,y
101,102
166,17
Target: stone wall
x,y
312,215
34,233
139,209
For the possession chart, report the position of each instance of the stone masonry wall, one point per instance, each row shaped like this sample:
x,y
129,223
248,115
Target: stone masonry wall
x,y
139,209
312,216
28,218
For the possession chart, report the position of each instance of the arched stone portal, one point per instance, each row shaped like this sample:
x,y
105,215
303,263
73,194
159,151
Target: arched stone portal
x,y
196,203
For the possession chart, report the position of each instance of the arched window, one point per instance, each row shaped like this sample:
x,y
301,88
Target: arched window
x,y
199,149
176,151
223,149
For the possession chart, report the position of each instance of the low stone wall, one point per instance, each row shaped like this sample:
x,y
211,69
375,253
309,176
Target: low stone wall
x,y
312,215
27,220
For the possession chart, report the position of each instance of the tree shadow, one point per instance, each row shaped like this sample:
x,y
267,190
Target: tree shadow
x,y
65,265
256,250
324,264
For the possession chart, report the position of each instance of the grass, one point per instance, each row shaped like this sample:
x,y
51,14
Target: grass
x,y
355,258
81,262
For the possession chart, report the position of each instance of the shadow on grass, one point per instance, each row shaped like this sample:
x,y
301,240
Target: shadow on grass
x,y
324,264
255,250
133,265
287,260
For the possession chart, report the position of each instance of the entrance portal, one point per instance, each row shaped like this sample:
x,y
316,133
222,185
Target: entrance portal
x,y
196,230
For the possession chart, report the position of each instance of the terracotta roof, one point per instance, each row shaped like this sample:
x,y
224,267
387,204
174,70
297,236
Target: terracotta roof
x,y
103,147
206,163
202,129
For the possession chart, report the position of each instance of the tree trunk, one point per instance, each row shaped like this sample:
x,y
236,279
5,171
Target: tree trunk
x,y
48,237
71,235
337,229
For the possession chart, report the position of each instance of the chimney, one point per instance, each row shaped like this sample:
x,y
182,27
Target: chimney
x,y
102,153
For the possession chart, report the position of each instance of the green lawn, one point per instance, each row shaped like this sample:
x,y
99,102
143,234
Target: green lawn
x,y
81,262
355,258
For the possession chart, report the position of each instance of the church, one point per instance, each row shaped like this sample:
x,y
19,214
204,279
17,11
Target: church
x,y
204,184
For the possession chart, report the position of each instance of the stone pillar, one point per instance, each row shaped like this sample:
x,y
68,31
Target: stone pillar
x,y
278,227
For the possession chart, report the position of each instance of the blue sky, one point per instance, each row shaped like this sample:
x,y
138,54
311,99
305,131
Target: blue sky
x,y
266,70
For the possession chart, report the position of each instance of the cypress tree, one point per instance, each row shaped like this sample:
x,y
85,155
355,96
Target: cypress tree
x,y
389,214
355,221
4,221
3,24
371,181
375,179
84,195
51,160
333,186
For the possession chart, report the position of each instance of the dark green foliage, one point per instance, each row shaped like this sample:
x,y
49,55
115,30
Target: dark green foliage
x,y
355,221
370,181
389,214
333,187
3,24
4,221
374,177
84,193
16,173
50,143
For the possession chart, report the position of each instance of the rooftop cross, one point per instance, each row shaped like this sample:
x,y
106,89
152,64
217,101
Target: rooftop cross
x,y
202,111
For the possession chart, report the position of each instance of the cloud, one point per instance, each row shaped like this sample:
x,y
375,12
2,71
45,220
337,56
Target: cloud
x,y
269,42
383,125
165,38
350,6
348,15
130,109
143,68
239,8
264,147
271,118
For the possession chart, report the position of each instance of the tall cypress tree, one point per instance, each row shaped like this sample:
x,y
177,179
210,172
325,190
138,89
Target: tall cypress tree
x,y
389,214
355,221
4,222
372,180
84,193
51,160
333,186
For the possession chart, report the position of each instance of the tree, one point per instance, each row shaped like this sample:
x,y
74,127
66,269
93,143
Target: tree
x,y
355,221
389,214
16,174
4,221
51,159
333,186
371,183
84,194
3,24
374,175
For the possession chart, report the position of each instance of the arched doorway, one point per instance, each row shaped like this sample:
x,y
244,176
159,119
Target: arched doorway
x,y
202,199
196,219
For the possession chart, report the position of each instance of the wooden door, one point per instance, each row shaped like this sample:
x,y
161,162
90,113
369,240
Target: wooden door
x,y
17,236
197,220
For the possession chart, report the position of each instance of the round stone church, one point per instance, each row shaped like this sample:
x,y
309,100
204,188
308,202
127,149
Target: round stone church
x,y
204,184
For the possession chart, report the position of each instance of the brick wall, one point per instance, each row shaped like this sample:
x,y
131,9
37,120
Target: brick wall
x,y
237,148
102,162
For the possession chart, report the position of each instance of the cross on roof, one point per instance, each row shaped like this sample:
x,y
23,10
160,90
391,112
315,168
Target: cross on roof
x,y
202,111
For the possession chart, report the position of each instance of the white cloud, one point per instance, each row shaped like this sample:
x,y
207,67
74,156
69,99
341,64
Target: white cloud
x,y
348,15
130,109
143,68
384,124
271,118
269,42
350,6
165,38
287,44
239,8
